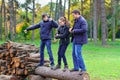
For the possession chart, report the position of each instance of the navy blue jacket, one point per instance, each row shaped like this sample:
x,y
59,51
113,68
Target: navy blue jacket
x,y
63,35
45,29
79,31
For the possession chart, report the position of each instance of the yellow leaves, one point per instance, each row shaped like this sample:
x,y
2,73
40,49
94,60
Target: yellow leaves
x,y
20,26
108,3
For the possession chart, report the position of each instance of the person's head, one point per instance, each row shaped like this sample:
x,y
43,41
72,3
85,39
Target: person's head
x,y
45,17
63,21
76,14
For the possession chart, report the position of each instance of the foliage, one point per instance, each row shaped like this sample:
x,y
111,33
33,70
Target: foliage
x,y
20,30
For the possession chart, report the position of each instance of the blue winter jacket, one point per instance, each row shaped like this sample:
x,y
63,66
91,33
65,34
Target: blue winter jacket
x,y
79,31
45,29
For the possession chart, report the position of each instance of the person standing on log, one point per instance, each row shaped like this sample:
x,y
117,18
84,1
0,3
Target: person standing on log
x,y
63,35
79,38
45,26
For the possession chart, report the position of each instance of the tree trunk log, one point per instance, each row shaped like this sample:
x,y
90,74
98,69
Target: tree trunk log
x,y
60,75
37,77
5,77
35,55
36,60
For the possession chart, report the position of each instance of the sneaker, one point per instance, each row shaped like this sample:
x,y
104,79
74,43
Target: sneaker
x,y
52,67
39,65
57,67
82,72
73,70
65,68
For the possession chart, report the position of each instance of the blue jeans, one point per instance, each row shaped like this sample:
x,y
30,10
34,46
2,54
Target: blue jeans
x,y
42,47
77,57
61,54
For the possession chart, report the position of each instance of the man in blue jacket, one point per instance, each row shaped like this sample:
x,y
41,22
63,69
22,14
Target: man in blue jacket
x,y
45,35
79,38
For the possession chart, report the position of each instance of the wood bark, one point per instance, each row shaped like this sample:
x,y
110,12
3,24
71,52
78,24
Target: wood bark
x,y
60,75
69,4
11,19
37,77
113,19
17,61
33,15
1,21
103,22
5,77
95,22
91,20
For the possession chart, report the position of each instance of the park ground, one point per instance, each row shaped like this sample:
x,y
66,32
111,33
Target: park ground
x,y
103,63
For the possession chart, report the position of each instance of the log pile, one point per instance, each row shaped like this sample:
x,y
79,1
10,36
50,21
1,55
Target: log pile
x,y
18,62
18,59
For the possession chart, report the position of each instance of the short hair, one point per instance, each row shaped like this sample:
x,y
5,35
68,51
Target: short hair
x,y
44,15
76,12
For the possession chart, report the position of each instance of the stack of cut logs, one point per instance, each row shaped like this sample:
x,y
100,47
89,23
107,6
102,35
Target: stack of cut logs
x,y
18,59
18,62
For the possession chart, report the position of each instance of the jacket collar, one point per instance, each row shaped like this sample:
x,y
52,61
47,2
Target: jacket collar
x,y
46,21
76,20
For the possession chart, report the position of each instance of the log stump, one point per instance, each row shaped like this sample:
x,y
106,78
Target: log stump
x,y
60,75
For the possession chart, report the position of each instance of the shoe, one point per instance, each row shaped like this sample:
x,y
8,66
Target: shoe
x,y
73,70
39,65
57,67
65,68
52,67
82,72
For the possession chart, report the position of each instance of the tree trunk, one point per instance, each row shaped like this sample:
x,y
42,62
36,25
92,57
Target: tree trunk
x,y
64,7
1,21
113,19
33,12
60,8
37,77
56,7
14,16
60,75
82,2
51,10
103,22
95,22
91,20
5,77
69,3
26,8
5,21
11,19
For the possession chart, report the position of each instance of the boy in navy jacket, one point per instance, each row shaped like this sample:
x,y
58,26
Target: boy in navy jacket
x,y
45,35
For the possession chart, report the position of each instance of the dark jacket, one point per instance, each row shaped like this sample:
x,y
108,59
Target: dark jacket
x,y
79,31
45,29
63,35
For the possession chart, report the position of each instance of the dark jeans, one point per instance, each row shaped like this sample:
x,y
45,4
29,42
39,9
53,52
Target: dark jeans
x,y
77,57
42,46
61,54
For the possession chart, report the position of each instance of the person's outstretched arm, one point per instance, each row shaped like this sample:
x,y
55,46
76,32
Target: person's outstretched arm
x,y
33,27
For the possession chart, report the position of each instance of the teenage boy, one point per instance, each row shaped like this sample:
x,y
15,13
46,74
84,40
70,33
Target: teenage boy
x,y
45,26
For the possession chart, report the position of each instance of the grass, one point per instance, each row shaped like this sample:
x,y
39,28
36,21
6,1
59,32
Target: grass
x,y
103,63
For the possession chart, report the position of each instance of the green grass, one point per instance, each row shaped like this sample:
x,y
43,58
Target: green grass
x,y
103,63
